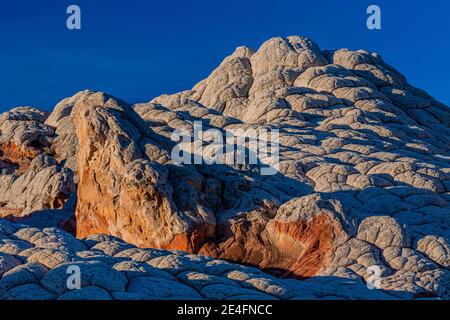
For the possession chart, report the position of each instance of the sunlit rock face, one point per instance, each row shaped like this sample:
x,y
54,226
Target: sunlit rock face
x,y
363,178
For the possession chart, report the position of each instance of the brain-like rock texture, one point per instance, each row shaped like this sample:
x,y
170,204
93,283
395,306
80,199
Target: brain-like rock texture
x,y
36,264
360,198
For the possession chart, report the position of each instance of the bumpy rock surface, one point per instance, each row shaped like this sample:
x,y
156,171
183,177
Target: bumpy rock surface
x,y
31,179
38,264
362,195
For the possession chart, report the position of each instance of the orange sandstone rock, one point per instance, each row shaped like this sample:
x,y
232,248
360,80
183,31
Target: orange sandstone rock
x,y
298,241
122,192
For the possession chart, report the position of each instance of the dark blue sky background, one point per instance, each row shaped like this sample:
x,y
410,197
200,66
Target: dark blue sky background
x,y
139,49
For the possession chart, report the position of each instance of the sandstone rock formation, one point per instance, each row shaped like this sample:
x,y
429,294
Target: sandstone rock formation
x,y
34,264
363,186
32,179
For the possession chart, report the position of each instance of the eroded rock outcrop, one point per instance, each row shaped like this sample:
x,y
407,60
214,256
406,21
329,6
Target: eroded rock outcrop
x,y
298,239
123,190
34,265
31,180
363,179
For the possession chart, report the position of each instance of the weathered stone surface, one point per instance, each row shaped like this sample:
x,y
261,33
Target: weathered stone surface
x,y
92,274
31,179
88,293
297,241
28,291
23,136
382,231
159,274
7,262
363,181
123,191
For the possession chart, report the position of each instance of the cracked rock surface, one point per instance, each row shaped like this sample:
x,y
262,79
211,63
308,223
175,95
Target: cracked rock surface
x,y
35,264
361,197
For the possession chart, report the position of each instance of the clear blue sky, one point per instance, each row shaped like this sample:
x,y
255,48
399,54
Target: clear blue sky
x,y
139,49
